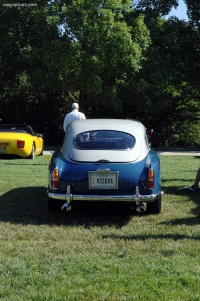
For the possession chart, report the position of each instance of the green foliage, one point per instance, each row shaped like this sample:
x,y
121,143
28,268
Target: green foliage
x,y
193,10
117,59
106,48
170,84
32,83
154,8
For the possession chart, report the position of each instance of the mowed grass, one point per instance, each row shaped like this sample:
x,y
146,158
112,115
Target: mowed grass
x,y
98,253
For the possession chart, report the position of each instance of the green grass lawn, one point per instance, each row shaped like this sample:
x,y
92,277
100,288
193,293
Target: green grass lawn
x,y
98,254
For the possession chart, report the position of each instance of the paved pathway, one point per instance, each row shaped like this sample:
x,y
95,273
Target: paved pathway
x,y
48,152
177,153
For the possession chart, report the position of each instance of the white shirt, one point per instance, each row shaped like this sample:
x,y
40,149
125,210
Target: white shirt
x,y
73,115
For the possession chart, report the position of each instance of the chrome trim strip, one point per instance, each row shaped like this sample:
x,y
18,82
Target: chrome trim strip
x,y
103,170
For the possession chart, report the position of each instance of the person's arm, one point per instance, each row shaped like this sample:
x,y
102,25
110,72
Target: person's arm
x,y
82,116
65,123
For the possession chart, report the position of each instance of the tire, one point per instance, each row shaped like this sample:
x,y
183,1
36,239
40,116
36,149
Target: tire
x,y
155,206
32,155
54,205
41,154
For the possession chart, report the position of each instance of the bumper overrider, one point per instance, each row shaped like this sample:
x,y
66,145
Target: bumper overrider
x,y
68,198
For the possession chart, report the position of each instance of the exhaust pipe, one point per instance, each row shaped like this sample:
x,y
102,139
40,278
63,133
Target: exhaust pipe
x,y
66,207
141,207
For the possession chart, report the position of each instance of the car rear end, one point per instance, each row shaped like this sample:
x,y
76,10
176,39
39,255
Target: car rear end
x,y
14,143
105,165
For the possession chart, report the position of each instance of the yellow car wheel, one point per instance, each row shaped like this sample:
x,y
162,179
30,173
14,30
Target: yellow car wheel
x,y
41,154
32,155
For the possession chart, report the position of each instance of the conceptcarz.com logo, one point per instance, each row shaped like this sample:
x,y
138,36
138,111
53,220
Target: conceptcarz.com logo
x,y
19,4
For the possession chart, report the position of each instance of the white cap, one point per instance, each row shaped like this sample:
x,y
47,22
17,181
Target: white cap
x,y
75,105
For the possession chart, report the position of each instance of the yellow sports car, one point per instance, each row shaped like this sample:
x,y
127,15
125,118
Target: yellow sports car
x,y
20,140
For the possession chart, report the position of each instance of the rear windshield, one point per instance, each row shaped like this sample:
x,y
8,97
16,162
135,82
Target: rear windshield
x,y
104,140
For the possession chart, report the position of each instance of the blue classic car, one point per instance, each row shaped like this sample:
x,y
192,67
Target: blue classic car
x,y
105,160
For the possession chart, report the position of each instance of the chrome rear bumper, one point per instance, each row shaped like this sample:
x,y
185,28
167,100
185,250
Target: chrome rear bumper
x,y
136,198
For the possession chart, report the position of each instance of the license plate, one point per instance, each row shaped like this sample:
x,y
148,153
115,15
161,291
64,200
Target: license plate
x,y
3,148
103,179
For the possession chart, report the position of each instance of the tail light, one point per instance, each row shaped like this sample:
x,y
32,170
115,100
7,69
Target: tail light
x,y
151,179
20,143
55,178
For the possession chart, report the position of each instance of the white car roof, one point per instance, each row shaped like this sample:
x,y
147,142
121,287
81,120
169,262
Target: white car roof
x,y
134,128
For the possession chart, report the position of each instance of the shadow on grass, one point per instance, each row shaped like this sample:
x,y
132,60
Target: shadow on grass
x,y
191,197
28,205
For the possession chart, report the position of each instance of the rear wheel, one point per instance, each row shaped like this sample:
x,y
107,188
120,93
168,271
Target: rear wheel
x,y
155,206
32,155
42,150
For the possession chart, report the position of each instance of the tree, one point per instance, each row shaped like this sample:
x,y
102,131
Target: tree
x,y
117,58
105,50
193,9
172,82
32,85
155,8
